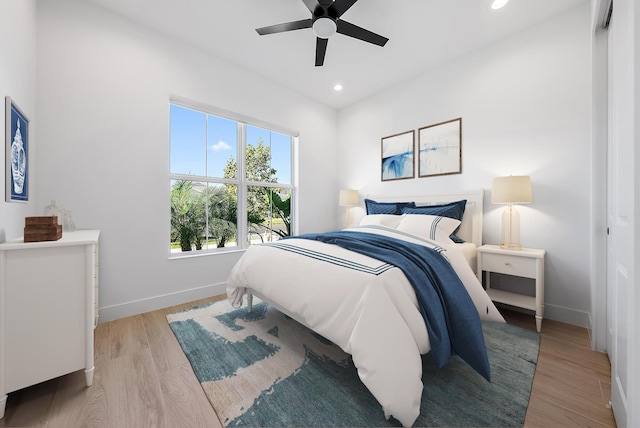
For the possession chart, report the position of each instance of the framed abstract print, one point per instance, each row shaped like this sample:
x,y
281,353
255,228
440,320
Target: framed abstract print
x,y
398,156
440,148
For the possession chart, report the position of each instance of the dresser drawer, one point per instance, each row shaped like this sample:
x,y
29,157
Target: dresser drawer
x,y
510,265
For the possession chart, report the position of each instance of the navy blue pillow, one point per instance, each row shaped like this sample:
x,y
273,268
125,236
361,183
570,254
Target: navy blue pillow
x,y
453,210
396,208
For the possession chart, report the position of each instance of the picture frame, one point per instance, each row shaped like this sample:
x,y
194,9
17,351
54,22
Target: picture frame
x,y
440,148
397,156
17,153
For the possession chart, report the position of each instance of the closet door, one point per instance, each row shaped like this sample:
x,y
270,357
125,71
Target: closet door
x,y
622,278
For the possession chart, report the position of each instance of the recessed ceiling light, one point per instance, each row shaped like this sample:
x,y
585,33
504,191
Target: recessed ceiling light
x,y
337,87
497,4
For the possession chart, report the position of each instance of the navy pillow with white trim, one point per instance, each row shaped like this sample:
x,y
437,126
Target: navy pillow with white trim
x,y
395,208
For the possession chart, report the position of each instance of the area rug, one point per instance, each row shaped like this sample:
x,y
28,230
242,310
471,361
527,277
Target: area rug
x,y
262,368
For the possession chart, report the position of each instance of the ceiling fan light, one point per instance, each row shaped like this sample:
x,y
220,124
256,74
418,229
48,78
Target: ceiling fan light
x,y
324,27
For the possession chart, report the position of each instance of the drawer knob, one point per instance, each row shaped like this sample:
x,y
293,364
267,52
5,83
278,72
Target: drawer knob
x,y
507,264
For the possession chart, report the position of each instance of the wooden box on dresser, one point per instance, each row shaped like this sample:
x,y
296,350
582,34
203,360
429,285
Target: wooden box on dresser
x,y
48,309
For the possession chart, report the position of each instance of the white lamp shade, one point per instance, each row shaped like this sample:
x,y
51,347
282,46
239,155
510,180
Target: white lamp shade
x,y
349,198
514,189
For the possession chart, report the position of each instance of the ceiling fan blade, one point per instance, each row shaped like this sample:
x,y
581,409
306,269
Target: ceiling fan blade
x,y
341,6
321,50
348,29
287,26
311,5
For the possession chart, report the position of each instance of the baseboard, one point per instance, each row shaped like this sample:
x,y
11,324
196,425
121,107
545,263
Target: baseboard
x,y
567,315
593,340
123,310
136,307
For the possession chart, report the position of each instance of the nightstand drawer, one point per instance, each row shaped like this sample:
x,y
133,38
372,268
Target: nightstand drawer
x,y
510,265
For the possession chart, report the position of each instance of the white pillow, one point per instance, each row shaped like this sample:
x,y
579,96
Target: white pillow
x,y
387,220
436,228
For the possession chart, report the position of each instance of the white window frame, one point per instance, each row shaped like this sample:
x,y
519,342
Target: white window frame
x,y
241,182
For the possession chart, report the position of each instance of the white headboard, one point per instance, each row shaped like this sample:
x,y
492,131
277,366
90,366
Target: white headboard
x,y
471,227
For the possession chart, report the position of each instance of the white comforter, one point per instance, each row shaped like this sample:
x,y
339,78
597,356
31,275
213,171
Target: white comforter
x,y
363,305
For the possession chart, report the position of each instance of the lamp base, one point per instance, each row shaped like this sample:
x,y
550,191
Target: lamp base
x,y
510,229
348,219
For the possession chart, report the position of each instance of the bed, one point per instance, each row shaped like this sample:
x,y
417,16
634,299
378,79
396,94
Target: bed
x,y
336,285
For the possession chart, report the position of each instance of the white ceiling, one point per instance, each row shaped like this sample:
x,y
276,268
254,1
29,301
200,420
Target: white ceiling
x,y
422,34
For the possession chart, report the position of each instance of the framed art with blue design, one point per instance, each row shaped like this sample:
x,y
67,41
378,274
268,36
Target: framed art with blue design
x,y
440,148
398,156
17,153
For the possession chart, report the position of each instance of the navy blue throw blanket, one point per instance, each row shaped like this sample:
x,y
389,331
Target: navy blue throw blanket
x,y
450,315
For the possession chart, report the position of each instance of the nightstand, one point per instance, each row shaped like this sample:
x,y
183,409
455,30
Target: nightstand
x,y
525,263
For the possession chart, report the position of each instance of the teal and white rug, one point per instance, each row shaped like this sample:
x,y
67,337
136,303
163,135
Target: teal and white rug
x,y
262,368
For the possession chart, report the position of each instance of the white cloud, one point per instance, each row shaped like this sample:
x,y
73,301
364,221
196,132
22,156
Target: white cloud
x,y
220,146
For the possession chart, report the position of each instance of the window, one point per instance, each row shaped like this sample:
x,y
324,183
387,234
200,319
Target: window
x,y
231,181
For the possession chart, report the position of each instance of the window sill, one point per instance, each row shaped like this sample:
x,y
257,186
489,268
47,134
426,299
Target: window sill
x,y
194,254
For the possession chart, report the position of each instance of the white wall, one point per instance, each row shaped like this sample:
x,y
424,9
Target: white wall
x,y
525,108
18,81
103,89
104,86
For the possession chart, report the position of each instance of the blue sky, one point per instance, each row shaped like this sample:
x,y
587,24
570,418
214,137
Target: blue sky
x,y
203,149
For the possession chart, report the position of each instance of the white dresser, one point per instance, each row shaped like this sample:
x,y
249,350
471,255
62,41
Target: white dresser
x,y
48,309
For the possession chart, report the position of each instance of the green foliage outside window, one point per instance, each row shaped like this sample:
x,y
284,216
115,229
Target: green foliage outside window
x,y
209,214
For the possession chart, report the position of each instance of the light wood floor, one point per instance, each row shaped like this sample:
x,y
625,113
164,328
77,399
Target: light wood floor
x,y
143,379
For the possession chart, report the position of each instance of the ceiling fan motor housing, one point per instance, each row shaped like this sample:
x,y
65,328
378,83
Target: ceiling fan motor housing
x,y
325,19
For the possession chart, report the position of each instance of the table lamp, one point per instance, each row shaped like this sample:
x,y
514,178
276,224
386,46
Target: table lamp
x,y
511,190
349,198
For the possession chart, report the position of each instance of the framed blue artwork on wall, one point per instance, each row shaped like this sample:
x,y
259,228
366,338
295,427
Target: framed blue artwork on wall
x,y
397,156
17,153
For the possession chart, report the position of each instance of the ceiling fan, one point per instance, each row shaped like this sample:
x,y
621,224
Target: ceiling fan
x,y
325,22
